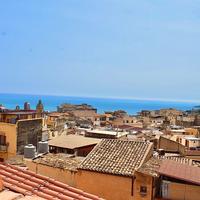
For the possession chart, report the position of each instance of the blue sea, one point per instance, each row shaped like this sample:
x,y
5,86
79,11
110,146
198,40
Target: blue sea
x,y
131,106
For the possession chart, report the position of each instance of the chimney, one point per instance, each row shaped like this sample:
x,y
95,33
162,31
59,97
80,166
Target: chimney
x,y
1,184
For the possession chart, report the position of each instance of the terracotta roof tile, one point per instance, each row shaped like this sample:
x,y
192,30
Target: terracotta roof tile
x,y
116,157
59,160
180,171
10,195
28,183
151,167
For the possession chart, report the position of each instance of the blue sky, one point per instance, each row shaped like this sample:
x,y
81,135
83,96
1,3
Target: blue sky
x,y
107,48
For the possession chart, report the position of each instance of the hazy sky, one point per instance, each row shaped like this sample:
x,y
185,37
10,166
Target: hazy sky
x,y
107,48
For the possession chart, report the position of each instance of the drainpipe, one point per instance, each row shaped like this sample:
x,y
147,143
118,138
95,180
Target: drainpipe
x,y
152,187
132,185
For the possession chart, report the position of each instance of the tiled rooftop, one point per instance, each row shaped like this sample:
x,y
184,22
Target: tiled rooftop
x,y
180,171
30,184
10,195
151,167
178,159
116,157
63,161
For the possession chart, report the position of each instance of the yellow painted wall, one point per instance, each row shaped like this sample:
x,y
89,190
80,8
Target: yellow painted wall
x,y
179,191
50,121
9,130
191,131
110,187
7,117
62,175
143,180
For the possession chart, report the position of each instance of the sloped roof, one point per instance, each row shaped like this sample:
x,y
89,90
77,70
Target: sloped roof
x,y
152,166
59,160
180,171
10,195
116,157
73,141
30,184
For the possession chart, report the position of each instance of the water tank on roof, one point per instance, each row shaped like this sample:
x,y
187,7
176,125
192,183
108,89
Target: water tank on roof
x,y
43,147
29,151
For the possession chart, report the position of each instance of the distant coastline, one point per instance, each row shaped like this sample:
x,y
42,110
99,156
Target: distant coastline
x,y
110,97
132,106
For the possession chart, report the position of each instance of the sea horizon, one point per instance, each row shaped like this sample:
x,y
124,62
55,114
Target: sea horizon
x,y
130,105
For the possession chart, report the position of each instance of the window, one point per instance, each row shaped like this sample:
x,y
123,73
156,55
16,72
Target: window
x,y
2,140
143,190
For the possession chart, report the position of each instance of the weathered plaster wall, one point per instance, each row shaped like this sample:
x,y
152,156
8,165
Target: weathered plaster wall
x,y
28,132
